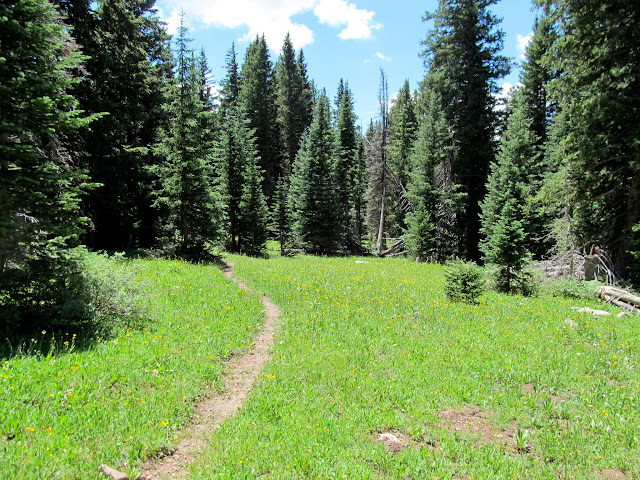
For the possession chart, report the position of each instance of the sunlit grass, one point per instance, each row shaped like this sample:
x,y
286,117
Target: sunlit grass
x,y
373,347
64,414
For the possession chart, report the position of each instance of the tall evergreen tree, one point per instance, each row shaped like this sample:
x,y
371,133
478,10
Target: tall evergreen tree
x,y
258,97
254,213
503,209
40,184
461,56
129,58
345,162
293,117
402,135
190,205
598,55
313,196
435,197
231,84
236,157
536,76
281,215
308,95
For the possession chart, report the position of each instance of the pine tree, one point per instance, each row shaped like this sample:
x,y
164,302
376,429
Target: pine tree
x,y
189,203
534,97
435,197
345,162
253,218
231,85
598,53
281,215
293,118
313,196
257,96
236,157
503,224
461,55
129,58
402,135
40,184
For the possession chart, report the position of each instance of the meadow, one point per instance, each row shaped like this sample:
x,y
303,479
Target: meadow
x,y
65,412
374,375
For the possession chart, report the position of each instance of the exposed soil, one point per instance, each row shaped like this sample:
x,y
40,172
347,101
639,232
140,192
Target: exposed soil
x,y
210,413
475,421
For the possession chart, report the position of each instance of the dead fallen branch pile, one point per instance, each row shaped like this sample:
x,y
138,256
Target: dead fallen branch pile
x,y
621,298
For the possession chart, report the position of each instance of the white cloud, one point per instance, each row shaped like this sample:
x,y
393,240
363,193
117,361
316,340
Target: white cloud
x,y
273,18
523,41
383,57
358,24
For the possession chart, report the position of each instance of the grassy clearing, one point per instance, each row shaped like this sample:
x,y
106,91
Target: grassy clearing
x,y
65,413
371,348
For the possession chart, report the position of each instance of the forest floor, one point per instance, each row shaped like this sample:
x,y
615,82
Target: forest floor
x,y
217,405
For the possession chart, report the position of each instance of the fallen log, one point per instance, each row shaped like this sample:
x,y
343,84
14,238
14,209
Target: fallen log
x,y
392,248
621,298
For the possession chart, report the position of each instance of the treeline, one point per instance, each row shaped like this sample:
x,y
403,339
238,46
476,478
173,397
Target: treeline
x,y
112,137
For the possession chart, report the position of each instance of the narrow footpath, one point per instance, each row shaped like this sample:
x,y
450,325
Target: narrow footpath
x,y
210,413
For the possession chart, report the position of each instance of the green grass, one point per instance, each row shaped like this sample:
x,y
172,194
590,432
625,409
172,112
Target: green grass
x,y
65,413
363,348
368,348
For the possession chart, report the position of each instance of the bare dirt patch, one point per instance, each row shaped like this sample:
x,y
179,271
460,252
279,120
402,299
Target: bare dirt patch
x,y
240,374
472,420
611,474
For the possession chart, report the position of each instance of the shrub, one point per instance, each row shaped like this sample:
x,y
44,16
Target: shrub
x,y
464,282
572,289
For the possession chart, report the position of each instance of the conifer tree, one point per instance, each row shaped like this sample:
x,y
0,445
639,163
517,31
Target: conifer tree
x,y
281,215
129,59
345,161
597,93
461,56
40,184
308,95
257,96
503,219
402,135
293,118
435,196
253,212
236,157
313,196
189,203
231,85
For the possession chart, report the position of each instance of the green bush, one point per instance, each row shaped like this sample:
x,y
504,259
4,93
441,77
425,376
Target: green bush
x,y
464,282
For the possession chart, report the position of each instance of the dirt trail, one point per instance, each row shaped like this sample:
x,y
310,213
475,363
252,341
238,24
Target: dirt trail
x,y
210,413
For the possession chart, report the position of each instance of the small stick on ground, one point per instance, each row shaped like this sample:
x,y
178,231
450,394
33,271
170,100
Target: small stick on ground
x,y
210,413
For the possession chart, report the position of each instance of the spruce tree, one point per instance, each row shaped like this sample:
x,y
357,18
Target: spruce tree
x,y
281,215
503,209
40,183
257,96
313,195
345,166
402,135
598,53
435,196
129,59
189,204
293,118
231,85
253,216
236,156
461,56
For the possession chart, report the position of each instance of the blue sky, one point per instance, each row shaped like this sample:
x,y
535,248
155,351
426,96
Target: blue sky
x,y
349,39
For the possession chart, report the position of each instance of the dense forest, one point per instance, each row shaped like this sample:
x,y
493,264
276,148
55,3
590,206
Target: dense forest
x,y
112,138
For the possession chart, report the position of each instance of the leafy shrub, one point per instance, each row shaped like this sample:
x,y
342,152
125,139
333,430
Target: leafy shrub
x,y
464,282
